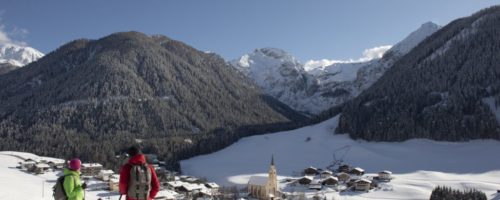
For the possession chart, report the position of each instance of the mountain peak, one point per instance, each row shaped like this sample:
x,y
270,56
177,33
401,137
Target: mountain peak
x,y
18,55
412,40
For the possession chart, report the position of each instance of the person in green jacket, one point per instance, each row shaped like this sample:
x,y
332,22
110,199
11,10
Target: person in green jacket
x,y
73,187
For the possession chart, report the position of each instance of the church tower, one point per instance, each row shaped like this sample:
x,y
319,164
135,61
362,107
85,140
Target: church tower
x,y
272,182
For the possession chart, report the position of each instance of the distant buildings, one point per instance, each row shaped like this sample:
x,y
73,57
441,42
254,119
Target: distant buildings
x,y
91,169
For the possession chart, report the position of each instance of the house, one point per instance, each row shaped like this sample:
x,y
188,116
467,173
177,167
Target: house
x,y
28,165
104,174
385,175
306,180
56,164
310,171
41,168
326,173
114,182
344,168
362,185
265,188
166,195
315,185
357,171
174,185
330,181
213,187
344,177
91,169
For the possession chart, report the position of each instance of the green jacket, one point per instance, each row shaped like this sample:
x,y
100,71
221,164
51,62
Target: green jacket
x,y
72,185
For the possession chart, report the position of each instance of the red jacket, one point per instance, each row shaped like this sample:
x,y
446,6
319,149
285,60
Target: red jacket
x,y
125,175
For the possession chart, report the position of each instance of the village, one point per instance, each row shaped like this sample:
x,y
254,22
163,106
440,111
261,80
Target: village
x,y
173,186
314,183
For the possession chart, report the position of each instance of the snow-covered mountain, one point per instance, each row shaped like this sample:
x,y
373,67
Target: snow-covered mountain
x,y
280,75
13,56
318,88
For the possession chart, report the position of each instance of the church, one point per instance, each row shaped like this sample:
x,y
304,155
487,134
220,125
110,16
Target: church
x,y
264,188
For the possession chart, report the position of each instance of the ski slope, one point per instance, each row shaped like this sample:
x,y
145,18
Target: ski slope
x,y
418,165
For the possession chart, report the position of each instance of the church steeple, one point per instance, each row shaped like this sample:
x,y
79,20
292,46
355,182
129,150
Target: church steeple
x,y
272,159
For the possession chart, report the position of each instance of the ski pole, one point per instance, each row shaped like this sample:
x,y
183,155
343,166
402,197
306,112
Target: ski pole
x,y
120,197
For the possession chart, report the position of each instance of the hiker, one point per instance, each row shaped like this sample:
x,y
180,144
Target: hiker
x,y
138,180
72,185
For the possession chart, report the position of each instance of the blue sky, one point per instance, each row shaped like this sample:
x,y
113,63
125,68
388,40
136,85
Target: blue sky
x,y
312,29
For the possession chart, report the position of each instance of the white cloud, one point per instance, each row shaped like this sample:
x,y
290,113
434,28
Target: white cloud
x,y
368,54
374,53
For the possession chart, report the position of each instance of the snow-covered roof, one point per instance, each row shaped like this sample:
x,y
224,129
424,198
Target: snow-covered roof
x,y
327,172
42,165
316,182
191,187
385,172
331,177
169,194
307,177
175,183
311,167
91,165
363,180
106,171
359,169
212,185
258,180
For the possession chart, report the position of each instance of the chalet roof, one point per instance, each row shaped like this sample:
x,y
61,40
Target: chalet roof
x,y
359,169
169,194
212,185
91,165
175,183
258,180
385,172
331,177
311,167
363,180
307,177
42,165
106,171
326,172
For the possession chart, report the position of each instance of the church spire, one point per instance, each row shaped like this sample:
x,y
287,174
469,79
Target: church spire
x,y
272,159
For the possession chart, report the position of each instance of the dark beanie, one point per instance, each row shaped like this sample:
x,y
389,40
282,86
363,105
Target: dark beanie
x,y
133,150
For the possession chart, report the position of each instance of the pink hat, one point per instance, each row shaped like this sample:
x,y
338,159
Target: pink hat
x,y
75,164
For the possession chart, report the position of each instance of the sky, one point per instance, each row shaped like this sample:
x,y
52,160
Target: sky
x,y
308,29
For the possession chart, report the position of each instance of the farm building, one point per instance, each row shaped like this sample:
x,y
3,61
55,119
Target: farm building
x,y
306,180
357,171
316,185
41,168
114,183
56,164
330,181
326,173
385,175
104,174
362,185
213,187
310,171
91,169
28,165
344,168
344,177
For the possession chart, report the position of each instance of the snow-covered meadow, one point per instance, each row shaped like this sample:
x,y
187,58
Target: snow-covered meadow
x,y
418,165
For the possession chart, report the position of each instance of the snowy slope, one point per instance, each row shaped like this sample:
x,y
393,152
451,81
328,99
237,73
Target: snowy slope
x,y
21,185
418,165
313,87
18,55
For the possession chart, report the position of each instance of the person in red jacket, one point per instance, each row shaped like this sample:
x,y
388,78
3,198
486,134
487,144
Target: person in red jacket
x,y
135,161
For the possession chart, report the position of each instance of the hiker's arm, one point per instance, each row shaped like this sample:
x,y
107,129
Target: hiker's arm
x,y
155,184
70,188
124,176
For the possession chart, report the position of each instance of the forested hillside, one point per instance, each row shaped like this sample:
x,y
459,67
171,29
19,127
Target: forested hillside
x,y
92,98
446,88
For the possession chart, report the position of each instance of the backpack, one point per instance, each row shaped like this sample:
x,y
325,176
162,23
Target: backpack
x,y
58,189
139,183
